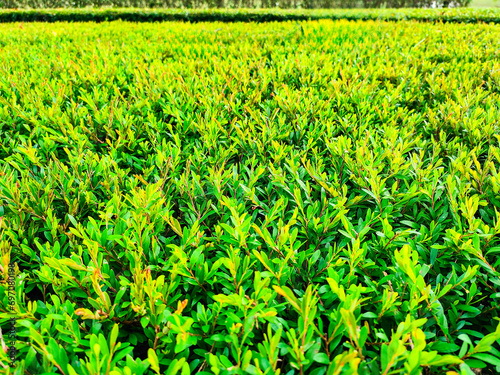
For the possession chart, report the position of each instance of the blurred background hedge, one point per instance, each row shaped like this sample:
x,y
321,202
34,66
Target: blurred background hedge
x,y
455,15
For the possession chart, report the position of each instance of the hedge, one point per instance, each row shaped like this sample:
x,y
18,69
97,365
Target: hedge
x,y
456,15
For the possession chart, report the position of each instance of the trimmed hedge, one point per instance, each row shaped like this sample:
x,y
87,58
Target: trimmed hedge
x,y
458,15
314,198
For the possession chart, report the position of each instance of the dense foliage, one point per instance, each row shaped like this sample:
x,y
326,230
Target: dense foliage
x,y
298,198
246,15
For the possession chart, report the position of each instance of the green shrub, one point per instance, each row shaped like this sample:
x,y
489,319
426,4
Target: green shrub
x,y
297,198
249,15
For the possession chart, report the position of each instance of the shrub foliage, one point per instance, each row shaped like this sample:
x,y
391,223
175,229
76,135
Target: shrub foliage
x,y
455,15
284,198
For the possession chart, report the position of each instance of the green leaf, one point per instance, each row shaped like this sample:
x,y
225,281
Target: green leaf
x,y
153,361
475,363
321,358
445,347
488,358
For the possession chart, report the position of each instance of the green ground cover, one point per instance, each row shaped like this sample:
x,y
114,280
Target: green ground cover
x,y
317,198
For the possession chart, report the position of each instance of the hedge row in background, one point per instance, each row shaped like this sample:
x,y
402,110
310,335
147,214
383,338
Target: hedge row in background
x,y
285,198
461,15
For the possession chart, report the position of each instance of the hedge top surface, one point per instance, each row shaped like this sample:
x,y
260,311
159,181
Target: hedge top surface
x,y
461,15
298,198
